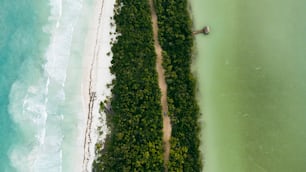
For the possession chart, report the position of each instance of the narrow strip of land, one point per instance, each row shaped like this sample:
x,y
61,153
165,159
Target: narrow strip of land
x,y
163,87
91,96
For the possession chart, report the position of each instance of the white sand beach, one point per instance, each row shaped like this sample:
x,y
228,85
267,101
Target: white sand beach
x,y
96,76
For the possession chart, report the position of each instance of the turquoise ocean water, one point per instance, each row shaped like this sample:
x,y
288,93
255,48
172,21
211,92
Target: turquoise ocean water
x,y
21,39
40,83
251,72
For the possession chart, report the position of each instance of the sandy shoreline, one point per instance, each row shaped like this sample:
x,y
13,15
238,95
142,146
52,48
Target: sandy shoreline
x,y
96,76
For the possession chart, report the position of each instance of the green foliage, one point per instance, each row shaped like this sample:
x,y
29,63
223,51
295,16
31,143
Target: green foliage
x,y
135,142
175,37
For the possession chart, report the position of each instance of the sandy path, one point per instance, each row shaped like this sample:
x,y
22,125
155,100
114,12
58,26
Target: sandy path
x,y
163,87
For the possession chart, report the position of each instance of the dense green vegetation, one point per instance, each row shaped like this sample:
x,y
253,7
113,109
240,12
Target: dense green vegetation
x,y
134,111
135,142
175,37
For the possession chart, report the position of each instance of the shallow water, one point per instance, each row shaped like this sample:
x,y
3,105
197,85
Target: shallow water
x,y
41,102
252,84
20,34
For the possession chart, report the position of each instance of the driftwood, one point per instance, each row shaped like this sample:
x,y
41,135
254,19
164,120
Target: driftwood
x,y
108,109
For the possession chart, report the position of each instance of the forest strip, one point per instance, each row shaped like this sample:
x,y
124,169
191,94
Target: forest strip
x,y
163,87
134,110
176,40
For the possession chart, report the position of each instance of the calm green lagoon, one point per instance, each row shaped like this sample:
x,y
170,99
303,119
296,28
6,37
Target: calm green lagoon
x,y
252,80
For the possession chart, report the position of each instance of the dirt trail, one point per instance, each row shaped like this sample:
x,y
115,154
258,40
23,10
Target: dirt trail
x,y
163,87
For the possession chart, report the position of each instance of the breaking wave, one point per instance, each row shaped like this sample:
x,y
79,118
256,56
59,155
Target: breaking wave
x,y
38,96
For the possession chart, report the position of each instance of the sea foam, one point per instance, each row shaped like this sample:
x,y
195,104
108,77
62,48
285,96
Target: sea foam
x,y
38,96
